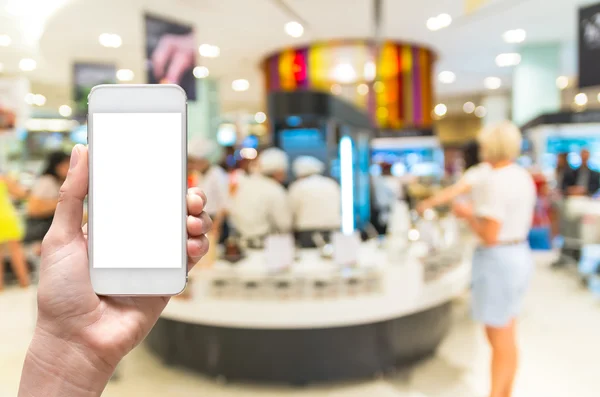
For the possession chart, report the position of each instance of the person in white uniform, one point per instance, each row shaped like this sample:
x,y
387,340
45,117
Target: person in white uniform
x,y
260,206
210,178
501,216
315,201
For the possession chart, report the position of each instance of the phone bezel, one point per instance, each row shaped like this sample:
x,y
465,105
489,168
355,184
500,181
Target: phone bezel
x,y
138,98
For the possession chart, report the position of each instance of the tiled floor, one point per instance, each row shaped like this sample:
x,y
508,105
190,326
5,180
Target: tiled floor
x,y
559,333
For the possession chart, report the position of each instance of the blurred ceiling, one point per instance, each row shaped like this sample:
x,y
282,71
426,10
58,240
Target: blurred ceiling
x,y
58,32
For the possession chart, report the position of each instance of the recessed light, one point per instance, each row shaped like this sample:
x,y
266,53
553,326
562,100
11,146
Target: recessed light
x,y
508,59
260,117
5,40
27,64
492,83
562,82
240,85
336,89
65,110
446,77
200,72
125,75
581,99
480,111
209,50
514,36
440,110
469,107
362,89
379,87
294,29
439,22
370,71
39,100
110,40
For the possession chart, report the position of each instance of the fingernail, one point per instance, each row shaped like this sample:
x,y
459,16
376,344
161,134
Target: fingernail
x,y
74,157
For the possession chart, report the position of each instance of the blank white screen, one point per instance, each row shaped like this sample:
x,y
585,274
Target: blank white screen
x,y
137,207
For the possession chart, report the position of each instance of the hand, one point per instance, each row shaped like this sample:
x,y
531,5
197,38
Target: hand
x,y
423,206
80,337
176,50
462,210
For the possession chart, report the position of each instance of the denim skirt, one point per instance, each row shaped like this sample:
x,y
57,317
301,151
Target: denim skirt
x,y
501,276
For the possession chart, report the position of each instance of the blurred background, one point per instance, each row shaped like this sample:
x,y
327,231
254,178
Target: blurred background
x,y
386,97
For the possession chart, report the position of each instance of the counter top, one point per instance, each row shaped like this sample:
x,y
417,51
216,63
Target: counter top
x,y
402,293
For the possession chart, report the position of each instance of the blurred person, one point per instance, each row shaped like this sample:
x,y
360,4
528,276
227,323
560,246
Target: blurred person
x,y
315,201
260,206
582,181
501,217
80,337
11,231
43,198
383,197
561,171
211,179
476,170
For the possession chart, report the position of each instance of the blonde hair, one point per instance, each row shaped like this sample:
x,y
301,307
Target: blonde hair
x,y
500,142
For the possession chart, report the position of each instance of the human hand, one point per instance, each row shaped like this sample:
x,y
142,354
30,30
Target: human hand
x,y
178,51
80,337
462,210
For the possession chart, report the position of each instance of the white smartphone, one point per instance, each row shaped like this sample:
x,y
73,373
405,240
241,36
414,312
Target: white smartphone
x,y
137,137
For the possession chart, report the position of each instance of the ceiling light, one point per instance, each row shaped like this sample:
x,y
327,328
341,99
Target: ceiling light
x,y
260,117
200,72
125,75
514,36
440,110
294,29
5,40
439,22
508,59
336,89
209,51
240,85
492,83
362,89
65,110
27,64
344,73
110,40
30,98
39,100
469,107
480,111
446,77
562,82
370,71
379,87
581,99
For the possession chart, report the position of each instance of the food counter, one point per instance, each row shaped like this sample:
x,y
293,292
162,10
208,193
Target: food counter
x,y
314,322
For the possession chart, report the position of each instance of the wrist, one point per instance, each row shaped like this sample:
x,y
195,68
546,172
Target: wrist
x,y
58,367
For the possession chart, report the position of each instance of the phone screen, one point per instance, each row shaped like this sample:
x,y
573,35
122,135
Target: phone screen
x,y
136,196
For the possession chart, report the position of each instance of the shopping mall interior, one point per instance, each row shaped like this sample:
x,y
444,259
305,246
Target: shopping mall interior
x,y
376,110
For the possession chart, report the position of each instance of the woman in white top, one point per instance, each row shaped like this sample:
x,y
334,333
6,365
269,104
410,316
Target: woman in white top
x,y
476,170
501,216
315,201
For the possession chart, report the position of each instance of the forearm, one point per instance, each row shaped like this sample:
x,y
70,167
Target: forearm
x,y
481,229
54,367
448,194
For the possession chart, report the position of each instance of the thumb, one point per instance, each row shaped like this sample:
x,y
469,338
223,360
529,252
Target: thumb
x,y
69,211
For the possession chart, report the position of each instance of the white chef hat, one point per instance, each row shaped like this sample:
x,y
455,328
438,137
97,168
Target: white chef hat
x,y
307,165
272,160
201,148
